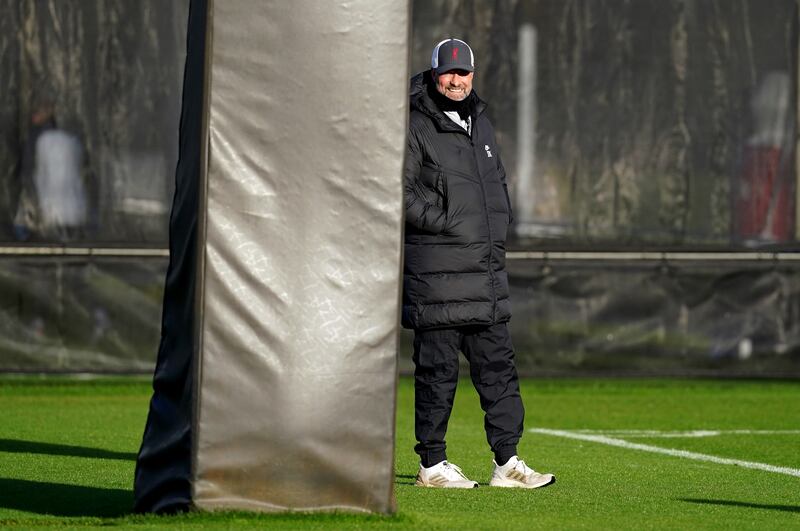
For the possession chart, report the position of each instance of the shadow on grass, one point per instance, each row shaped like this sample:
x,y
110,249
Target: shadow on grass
x,y
33,447
58,499
405,479
786,508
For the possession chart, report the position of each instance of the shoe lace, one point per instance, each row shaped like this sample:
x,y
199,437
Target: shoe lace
x,y
450,467
525,469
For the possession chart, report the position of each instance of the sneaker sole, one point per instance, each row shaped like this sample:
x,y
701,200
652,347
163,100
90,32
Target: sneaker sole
x,y
510,483
419,483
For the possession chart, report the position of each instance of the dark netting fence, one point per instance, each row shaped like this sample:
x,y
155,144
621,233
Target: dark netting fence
x,y
661,124
652,125
89,113
653,317
70,315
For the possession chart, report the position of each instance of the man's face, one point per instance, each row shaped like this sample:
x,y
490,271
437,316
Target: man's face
x,y
455,84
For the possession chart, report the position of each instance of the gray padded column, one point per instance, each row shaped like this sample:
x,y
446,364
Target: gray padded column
x,y
301,255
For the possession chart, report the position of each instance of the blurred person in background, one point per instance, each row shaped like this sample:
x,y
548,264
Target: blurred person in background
x,y
764,210
26,218
53,202
455,287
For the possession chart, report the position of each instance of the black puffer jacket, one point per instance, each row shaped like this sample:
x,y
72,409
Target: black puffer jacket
x,y
457,216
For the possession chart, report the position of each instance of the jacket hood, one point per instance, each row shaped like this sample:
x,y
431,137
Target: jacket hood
x,y
419,83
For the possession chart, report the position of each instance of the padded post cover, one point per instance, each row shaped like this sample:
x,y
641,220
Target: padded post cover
x,y
300,255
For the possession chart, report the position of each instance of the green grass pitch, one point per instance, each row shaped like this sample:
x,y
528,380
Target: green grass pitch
x,y
67,451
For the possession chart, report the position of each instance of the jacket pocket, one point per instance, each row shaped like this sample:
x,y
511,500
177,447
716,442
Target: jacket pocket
x,y
433,186
508,205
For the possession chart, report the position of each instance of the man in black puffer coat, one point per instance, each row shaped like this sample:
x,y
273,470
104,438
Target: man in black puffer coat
x,y
455,287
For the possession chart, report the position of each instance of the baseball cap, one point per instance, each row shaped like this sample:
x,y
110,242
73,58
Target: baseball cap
x,y
452,54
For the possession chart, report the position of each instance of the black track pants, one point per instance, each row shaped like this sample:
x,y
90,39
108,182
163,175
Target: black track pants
x,y
490,355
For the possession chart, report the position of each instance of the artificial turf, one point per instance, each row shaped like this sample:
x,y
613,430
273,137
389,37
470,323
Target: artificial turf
x,y
67,452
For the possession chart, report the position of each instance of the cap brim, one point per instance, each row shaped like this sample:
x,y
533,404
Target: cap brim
x,y
448,68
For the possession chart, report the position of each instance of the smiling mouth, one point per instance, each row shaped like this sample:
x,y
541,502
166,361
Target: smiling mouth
x,y
454,93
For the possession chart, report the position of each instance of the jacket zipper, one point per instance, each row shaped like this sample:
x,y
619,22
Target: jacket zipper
x,y
486,211
488,227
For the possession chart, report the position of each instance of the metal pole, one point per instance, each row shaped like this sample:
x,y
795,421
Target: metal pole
x,y
526,128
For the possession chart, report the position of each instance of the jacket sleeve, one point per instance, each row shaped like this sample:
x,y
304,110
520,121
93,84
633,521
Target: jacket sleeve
x,y
419,212
502,171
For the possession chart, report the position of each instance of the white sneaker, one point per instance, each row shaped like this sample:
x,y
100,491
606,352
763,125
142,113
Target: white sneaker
x,y
444,475
516,473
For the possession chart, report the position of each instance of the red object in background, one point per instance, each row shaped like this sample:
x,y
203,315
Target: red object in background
x,y
765,202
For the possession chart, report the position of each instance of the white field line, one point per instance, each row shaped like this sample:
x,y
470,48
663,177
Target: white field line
x,y
602,439
685,434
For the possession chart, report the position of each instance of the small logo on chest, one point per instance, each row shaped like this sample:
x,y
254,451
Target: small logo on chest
x,y
488,150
